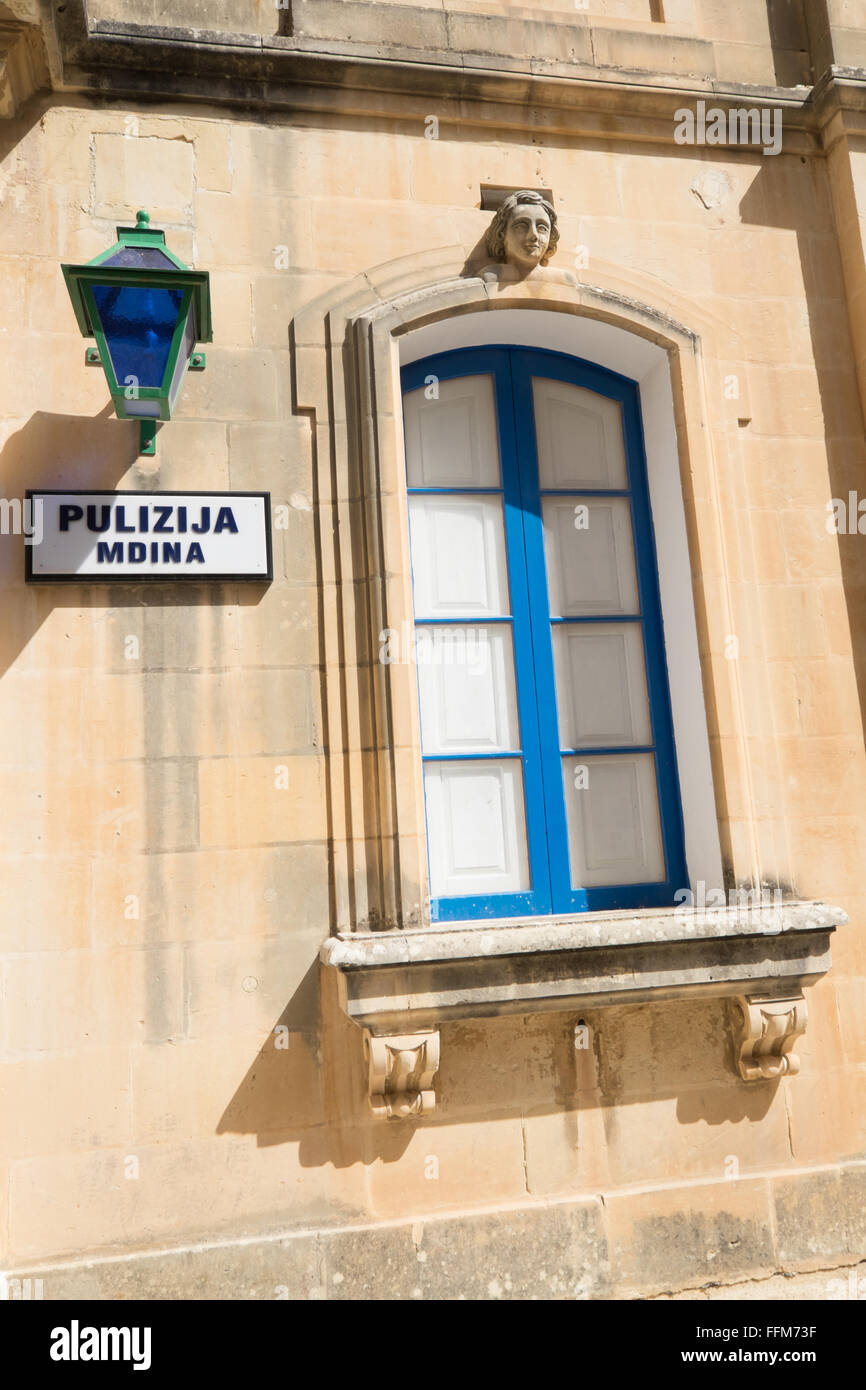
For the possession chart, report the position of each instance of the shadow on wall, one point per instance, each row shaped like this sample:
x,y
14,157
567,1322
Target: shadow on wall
x,y
64,451
307,1085
789,40
54,451
72,452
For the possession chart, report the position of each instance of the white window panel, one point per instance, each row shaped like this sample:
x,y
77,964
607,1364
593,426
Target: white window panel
x,y
579,437
452,441
476,827
458,556
466,684
601,689
590,568
614,830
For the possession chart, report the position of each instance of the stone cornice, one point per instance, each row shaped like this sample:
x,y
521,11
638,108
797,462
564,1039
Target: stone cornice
x,y
585,931
318,74
839,104
416,979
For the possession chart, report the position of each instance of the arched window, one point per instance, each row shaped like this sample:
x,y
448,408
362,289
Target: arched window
x,y
549,767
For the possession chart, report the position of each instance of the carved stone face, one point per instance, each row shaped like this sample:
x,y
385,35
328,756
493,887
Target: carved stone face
x,y
527,236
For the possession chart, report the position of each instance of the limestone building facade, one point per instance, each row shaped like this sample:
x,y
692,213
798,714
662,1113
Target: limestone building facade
x,y
476,909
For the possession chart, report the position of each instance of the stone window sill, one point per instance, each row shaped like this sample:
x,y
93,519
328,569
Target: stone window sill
x,y
400,986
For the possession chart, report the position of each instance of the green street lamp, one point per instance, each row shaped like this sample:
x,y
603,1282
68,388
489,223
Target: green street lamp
x,y
147,311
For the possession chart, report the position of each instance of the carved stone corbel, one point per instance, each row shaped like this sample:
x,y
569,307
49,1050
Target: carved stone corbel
x,y
401,1072
765,1029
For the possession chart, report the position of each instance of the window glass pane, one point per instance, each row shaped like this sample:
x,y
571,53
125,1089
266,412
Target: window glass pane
x,y
601,690
579,437
476,827
466,683
458,556
614,833
452,441
590,556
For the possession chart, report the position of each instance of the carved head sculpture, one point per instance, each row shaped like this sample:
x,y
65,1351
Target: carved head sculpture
x,y
523,232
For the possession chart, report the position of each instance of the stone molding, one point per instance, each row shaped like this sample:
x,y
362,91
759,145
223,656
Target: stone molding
x,y
400,986
398,62
398,974
583,931
411,980
346,380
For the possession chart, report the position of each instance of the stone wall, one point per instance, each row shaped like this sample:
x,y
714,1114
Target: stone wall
x,y
164,898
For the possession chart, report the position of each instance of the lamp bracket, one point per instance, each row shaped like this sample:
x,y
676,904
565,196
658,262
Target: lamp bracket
x,y
147,438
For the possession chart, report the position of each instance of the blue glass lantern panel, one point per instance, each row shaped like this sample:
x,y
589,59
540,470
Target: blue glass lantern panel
x,y
139,325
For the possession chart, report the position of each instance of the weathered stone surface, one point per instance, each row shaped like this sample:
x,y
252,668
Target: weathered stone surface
x,y
411,981
821,1215
552,1253
532,936
134,170
629,1247
664,1239
486,1256
165,896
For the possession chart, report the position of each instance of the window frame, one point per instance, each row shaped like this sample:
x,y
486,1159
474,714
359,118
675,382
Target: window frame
x,y
512,367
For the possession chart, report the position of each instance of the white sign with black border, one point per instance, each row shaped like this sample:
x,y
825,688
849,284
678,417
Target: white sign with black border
x,y
146,536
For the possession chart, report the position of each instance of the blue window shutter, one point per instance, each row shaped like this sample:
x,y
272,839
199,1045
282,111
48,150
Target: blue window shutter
x,y
512,370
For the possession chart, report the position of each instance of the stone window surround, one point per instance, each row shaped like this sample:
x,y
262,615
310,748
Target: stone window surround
x,y
399,977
